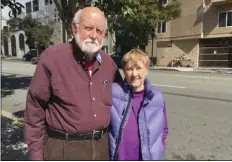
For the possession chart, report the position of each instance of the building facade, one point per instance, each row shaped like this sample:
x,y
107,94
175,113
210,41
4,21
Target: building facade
x,y
202,34
42,10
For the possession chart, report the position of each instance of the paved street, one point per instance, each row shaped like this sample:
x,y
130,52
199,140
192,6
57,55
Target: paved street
x,y
199,109
199,114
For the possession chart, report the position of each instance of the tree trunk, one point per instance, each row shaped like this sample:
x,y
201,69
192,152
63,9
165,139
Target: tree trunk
x,y
66,31
63,33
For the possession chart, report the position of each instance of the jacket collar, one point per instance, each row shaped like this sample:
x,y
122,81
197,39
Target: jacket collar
x,y
126,86
149,94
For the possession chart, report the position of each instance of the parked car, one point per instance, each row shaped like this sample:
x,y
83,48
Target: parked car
x,y
28,56
35,60
117,57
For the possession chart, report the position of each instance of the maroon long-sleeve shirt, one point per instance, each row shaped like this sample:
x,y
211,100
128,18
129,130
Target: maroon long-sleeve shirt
x,y
63,95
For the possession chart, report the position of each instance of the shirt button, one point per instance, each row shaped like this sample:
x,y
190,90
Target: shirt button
x,y
91,83
93,98
95,115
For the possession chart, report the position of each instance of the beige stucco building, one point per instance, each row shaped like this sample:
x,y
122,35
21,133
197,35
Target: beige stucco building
x,y
203,33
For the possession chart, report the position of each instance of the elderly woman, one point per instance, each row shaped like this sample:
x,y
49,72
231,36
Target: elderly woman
x,y
138,114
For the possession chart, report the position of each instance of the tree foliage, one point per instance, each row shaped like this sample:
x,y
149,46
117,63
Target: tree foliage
x,y
36,32
16,7
134,20
5,33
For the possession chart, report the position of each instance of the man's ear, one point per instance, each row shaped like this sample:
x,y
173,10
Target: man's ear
x,y
75,28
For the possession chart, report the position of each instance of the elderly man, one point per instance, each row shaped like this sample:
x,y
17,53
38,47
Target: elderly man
x,y
69,99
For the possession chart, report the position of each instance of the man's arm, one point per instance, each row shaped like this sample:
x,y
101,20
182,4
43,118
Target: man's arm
x,y
34,118
165,133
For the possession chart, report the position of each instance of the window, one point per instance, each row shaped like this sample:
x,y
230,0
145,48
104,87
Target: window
x,y
5,28
28,7
161,27
229,18
56,16
225,19
163,2
46,2
35,5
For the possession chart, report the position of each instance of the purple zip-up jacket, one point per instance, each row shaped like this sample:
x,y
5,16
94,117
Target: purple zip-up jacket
x,y
152,120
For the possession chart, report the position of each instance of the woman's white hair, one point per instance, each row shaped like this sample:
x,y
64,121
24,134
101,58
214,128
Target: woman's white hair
x,y
77,18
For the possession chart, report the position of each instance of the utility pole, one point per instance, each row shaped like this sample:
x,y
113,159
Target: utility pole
x,y
152,46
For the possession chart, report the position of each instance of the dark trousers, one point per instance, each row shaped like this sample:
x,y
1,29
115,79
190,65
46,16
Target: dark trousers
x,y
56,149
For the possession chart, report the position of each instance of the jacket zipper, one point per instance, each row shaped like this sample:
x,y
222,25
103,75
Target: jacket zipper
x,y
139,125
118,140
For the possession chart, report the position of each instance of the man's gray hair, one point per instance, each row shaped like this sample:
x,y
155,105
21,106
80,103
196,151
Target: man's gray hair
x,y
77,17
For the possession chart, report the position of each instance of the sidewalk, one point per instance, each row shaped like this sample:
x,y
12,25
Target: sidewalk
x,y
13,146
198,69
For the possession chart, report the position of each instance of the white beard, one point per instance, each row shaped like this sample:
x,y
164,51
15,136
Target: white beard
x,y
88,46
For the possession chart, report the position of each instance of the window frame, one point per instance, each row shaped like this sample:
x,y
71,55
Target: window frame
x,y
46,2
30,7
164,4
37,5
226,19
161,27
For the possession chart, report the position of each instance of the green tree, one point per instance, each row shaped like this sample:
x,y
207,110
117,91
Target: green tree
x,y
36,32
5,34
134,20
16,7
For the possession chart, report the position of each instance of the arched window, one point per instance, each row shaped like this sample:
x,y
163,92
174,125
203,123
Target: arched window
x,y
21,42
6,48
13,45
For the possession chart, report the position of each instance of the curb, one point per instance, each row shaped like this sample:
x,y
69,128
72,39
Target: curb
x,y
165,69
193,70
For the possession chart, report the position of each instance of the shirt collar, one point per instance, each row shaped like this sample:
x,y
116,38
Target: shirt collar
x,y
98,57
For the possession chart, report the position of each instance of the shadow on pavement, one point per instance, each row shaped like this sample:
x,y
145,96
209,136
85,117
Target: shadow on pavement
x,y
13,82
19,114
13,146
